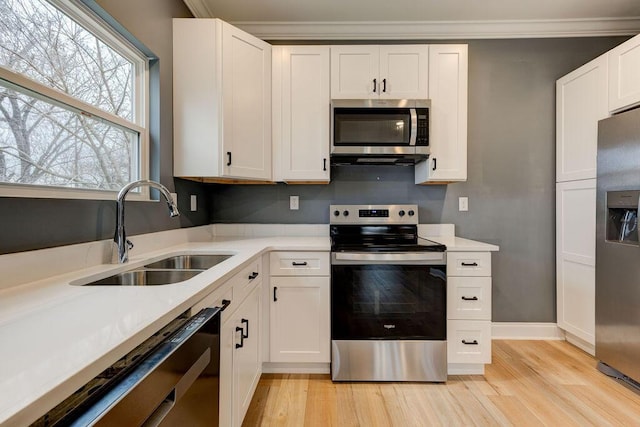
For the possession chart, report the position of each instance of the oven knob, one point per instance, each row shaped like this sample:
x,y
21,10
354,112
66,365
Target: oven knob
x,y
411,213
401,213
345,213
336,213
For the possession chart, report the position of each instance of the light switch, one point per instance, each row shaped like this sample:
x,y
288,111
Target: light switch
x,y
194,203
294,203
463,204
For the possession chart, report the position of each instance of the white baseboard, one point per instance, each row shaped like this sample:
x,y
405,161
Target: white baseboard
x,y
295,368
526,331
580,343
465,369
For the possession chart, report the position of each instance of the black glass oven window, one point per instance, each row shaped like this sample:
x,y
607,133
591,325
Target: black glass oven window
x,y
372,126
388,302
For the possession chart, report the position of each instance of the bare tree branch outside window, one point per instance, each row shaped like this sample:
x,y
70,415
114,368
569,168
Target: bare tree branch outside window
x,y
42,142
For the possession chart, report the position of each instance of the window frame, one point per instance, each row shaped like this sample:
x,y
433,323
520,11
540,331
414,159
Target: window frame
x,y
97,26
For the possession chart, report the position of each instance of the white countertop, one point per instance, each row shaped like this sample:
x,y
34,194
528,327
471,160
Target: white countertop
x,y
458,244
56,336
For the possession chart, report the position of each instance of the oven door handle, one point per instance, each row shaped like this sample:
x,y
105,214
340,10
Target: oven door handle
x,y
387,257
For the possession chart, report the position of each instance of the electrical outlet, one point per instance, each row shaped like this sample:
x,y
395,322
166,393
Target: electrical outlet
x,y
294,203
174,196
463,204
194,203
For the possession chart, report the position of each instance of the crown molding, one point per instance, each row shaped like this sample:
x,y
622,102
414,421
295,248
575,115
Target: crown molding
x,y
441,30
199,8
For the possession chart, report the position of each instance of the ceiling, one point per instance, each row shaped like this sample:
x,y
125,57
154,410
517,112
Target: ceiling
x,y
433,19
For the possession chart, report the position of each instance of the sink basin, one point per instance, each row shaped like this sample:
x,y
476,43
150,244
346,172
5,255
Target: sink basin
x,y
146,278
189,262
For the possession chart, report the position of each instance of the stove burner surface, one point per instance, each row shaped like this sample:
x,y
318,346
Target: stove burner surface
x,y
380,238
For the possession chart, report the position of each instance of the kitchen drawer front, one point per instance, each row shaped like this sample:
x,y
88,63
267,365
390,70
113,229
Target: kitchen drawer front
x,y
299,263
469,341
469,263
243,282
469,298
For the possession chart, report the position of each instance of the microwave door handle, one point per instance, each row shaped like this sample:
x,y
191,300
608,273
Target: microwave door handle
x,y
414,126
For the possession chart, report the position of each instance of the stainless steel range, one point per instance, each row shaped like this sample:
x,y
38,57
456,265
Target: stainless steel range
x,y
388,296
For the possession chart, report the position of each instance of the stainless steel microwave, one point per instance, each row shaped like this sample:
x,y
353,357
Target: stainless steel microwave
x,y
379,131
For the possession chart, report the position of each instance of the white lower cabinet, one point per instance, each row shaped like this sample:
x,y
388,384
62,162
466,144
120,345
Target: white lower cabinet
x,y
240,350
299,317
469,341
468,311
576,260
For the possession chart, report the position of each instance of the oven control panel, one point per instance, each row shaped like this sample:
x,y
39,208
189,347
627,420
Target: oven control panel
x,y
373,214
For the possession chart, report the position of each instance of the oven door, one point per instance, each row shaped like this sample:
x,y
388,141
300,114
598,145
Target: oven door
x,y
388,317
388,297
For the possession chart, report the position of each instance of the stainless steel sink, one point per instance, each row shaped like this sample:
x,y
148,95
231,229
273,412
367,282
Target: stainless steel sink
x,y
146,278
189,262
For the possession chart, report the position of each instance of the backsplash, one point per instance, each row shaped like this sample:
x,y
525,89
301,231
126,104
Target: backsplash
x,y
349,185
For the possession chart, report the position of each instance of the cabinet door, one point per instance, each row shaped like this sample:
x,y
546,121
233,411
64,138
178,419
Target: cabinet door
x,y
247,360
299,326
624,69
581,100
575,253
197,114
404,71
354,72
448,121
246,88
301,113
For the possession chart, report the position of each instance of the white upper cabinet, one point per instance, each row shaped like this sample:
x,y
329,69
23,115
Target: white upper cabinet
x,y
448,69
301,113
624,75
222,101
373,72
581,100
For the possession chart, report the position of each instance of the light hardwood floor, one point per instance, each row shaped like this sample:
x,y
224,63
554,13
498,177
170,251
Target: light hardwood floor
x,y
529,383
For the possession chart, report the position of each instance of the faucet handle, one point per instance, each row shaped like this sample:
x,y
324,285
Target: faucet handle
x,y
129,244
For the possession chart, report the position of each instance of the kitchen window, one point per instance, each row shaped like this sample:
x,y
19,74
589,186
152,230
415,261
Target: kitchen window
x,y
73,103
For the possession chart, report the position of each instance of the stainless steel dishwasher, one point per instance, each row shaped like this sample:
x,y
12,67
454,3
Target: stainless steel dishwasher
x,y
176,384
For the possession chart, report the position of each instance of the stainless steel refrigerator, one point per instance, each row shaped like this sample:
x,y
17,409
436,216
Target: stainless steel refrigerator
x,y
617,248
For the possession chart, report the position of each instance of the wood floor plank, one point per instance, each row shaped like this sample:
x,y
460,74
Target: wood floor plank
x,y
529,383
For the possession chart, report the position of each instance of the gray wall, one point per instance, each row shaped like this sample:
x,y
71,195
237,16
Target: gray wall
x,y
511,173
27,224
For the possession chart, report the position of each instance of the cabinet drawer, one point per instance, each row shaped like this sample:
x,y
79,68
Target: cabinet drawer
x,y
469,298
469,263
244,281
299,263
469,341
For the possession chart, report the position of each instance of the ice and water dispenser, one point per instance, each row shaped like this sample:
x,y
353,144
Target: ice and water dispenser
x,y
622,217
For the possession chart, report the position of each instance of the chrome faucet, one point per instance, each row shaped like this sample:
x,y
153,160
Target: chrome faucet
x,y
121,244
